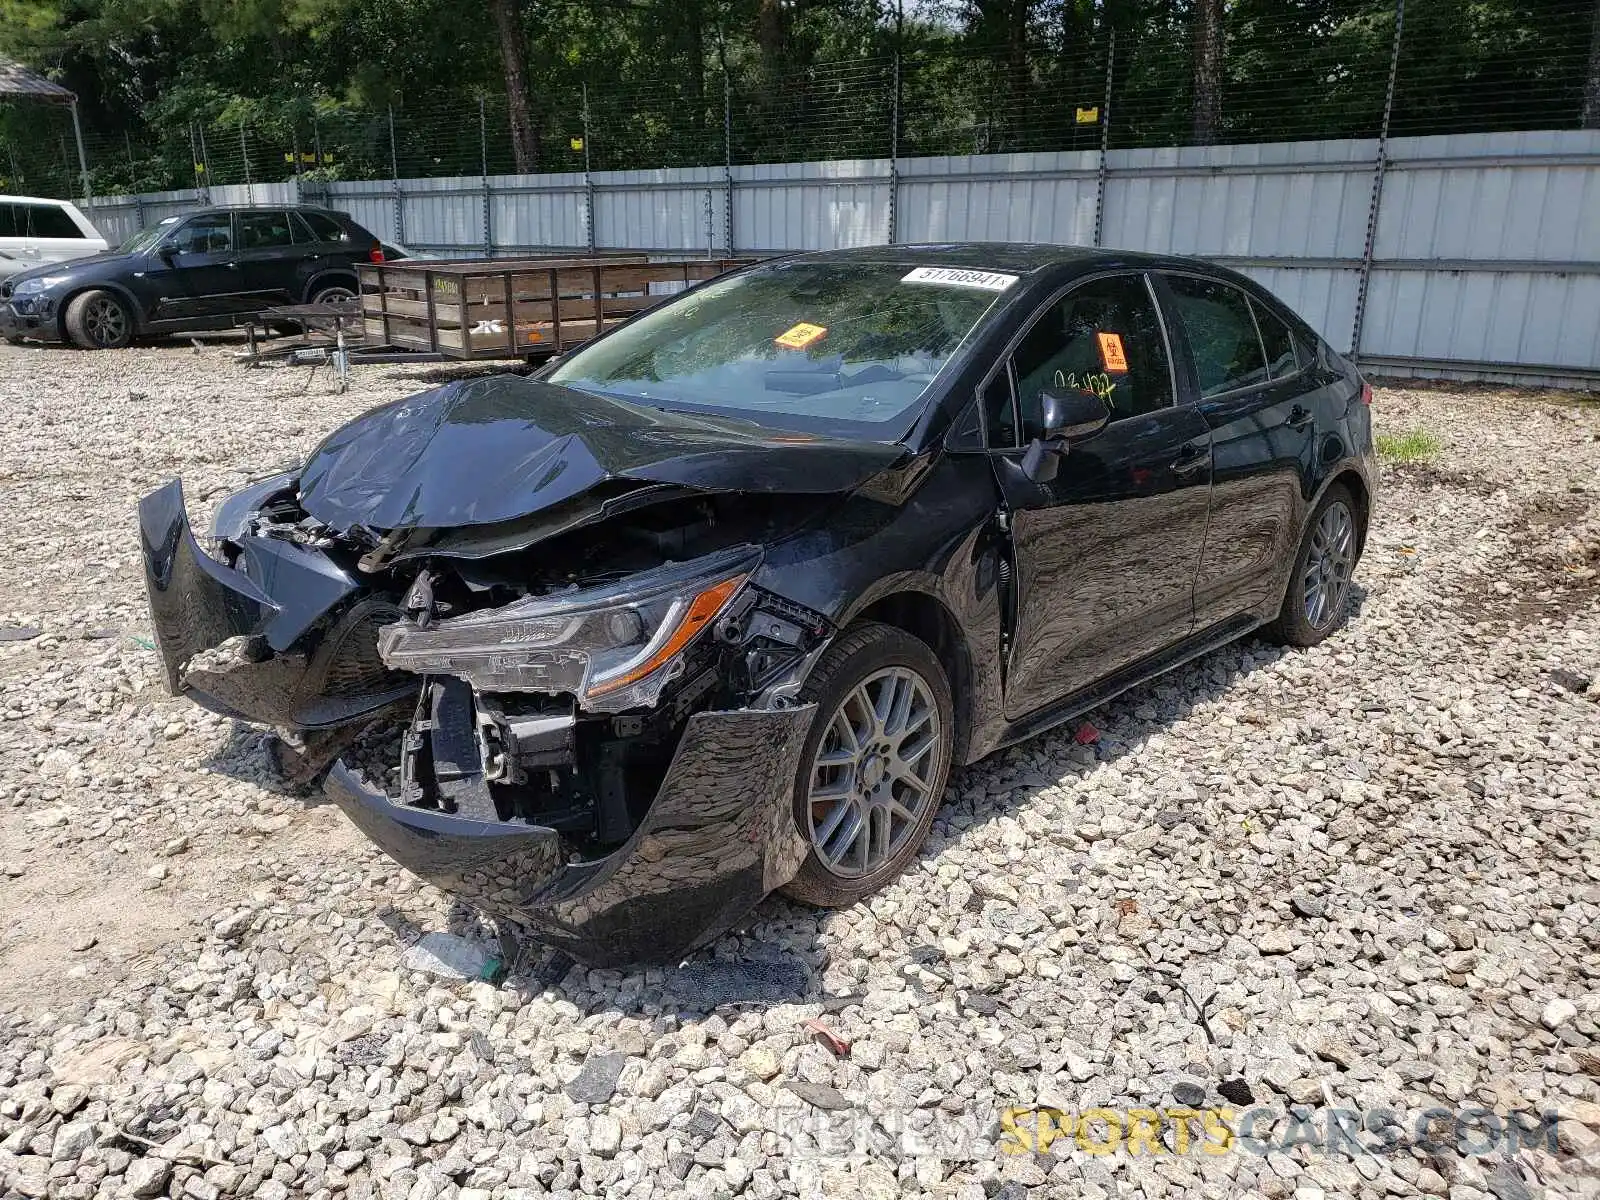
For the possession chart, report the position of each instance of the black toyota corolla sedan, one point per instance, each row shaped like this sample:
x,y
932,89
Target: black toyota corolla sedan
x,y
711,607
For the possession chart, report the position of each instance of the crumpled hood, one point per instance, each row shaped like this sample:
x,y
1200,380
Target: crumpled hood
x,y
483,451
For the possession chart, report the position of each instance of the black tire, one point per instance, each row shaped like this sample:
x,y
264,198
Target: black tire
x,y
99,320
324,293
861,655
1295,624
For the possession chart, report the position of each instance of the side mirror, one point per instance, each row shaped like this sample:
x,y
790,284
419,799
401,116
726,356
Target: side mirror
x,y
166,252
1072,416
1067,417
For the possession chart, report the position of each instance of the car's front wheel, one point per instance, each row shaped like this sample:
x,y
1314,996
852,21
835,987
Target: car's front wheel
x,y
1318,598
874,765
99,320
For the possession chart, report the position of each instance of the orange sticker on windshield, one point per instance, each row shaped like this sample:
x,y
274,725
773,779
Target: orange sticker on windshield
x,y
801,336
1111,351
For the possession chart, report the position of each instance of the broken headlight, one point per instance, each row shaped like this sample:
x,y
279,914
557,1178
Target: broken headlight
x,y
613,647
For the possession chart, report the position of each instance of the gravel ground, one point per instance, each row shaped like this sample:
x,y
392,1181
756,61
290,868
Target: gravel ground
x,y
1364,876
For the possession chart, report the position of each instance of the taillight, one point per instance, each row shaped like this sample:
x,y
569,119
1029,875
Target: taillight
x,y
376,253
1366,393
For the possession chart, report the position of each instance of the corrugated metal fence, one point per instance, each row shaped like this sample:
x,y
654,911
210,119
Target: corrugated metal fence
x,y
1461,256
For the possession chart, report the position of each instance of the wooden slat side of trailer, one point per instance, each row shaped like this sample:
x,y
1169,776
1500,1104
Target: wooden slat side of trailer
x,y
516,308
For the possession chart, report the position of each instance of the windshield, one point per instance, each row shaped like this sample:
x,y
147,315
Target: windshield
x,y
146,238
841,347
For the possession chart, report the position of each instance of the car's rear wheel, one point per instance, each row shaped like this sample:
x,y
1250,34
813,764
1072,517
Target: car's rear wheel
x,y
1318,598
99,320
332,293
874,764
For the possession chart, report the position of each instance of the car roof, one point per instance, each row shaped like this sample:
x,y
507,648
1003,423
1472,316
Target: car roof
x,y
221,208
36,200
1020,257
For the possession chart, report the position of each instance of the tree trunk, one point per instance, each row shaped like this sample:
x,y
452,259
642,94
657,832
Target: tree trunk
x,y
508,26
1207,71
695,16
1591,82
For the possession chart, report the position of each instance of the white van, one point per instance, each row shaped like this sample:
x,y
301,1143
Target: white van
x,y
35,231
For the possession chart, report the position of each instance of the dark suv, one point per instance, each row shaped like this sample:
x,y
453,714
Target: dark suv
x,y
198,270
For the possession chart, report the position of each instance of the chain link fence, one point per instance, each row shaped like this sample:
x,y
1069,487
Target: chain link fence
x,y
1424,66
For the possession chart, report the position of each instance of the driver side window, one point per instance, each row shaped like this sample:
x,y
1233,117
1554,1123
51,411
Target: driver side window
x,y
1103,337
210,234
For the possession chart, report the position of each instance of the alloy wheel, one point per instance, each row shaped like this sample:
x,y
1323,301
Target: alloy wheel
x,y
335,295
1329,561
872,777
105,321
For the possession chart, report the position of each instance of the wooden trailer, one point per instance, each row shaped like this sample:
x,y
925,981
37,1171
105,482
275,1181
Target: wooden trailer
x,y
516,308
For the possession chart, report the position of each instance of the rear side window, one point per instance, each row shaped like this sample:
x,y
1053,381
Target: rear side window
x,y
1279,343
264,230
49,221
323,227
8,221
1222,334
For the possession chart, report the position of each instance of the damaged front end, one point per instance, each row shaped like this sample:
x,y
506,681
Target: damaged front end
x,y
602,743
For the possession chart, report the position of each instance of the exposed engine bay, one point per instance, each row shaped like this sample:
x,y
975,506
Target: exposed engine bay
x,y
495,734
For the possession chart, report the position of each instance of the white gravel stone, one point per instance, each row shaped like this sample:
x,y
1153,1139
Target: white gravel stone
x,y
1557,1013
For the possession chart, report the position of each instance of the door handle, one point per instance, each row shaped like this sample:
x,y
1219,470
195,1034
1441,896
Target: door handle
x,y
1193,459
1299,417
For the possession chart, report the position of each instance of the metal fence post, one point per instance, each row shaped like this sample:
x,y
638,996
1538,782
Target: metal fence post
x,y
83,160
727,146
894,150
588,181
394,174
1105,143
483,162
204,174
244,150
1378,171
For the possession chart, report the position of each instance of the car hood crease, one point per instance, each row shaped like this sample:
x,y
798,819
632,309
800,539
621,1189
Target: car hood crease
x,y
485,451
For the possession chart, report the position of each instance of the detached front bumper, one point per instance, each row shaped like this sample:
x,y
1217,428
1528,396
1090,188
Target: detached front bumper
x,y
304,641
718,837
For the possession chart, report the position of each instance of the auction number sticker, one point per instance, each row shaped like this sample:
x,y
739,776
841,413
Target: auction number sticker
x,y
989,281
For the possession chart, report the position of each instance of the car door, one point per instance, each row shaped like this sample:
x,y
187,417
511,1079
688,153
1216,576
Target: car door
x,y
1105,553
56,237
269,260
1252,396
194,273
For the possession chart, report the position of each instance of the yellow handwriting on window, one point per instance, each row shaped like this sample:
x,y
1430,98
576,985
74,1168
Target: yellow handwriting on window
x,y
1097,385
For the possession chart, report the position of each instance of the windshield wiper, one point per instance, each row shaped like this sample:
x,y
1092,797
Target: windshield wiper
x,y
815,383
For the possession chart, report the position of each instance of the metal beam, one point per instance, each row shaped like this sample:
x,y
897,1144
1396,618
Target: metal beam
x,y
1476,366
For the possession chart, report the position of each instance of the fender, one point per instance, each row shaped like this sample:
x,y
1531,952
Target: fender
x,y
342,275
140,321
